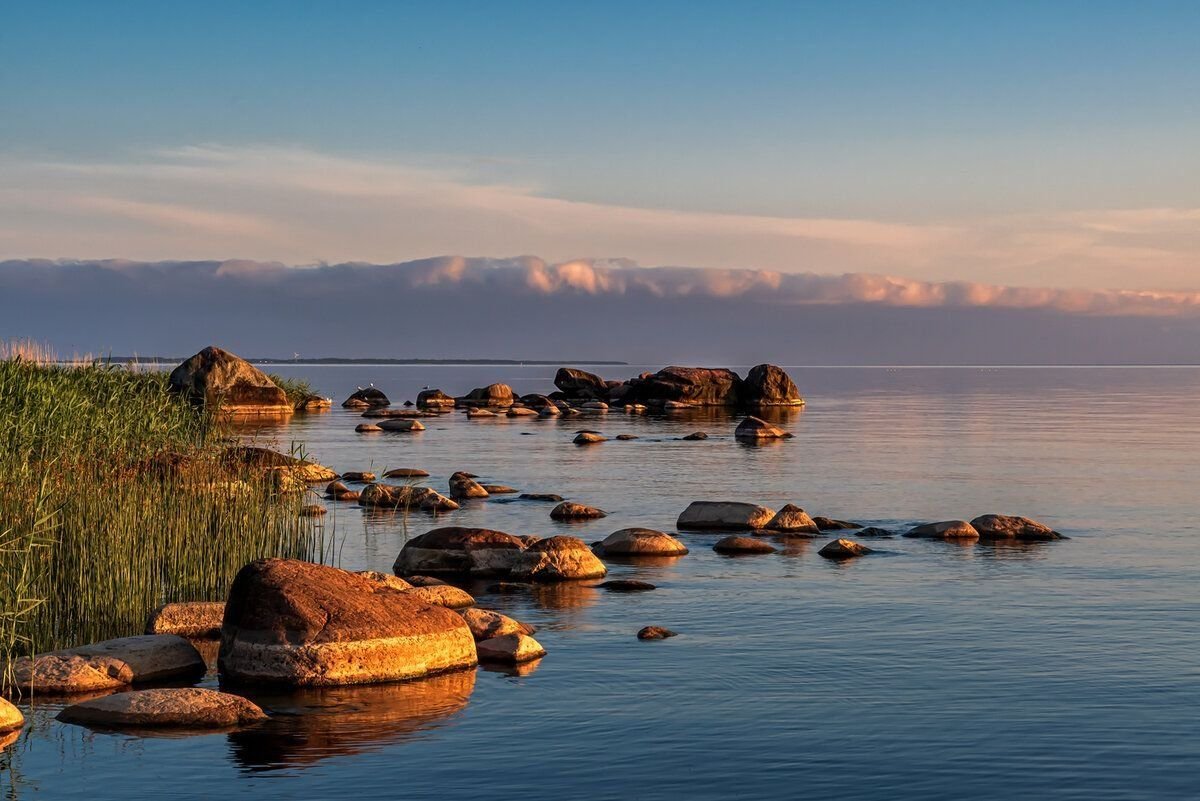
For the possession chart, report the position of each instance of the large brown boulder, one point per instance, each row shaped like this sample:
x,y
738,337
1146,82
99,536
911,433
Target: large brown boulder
x,y
768,385
945,530
696,386
369,398
175,708
300,624
459,550
433,398
491,395
217,379
462,486
559,559
1013,527
580,384
730,515
791,519
641,542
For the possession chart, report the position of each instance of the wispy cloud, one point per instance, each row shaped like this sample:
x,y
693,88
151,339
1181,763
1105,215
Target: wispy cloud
x,y
301,206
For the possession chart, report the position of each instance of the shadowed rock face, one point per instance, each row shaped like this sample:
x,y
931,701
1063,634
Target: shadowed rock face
x,y
580,384
369,398
387,496
700,386
301,624
491,395
945,530
755,429
175,708
768,385
217,379
434,398
187,619
459,550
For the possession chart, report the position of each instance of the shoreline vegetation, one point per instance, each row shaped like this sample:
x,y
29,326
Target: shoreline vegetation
x,y
119,496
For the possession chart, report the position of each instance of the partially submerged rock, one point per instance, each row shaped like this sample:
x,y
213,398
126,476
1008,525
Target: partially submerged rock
x,y
293,467
589,438
580,384
569,510
844,549
543,497
1000,527
387,496
641,542
655,633
510,649
740,545
626,585
187,619
108,664
459,550
945,530
367,428
791,519
368,398
755,428
522,411
474,412
360,476
491,395
176,707
486,624
401,424
405,472
216,379
434,398
768,385
829,524
724,515
695,436
301,624
498,489
463,486
313,510
559,559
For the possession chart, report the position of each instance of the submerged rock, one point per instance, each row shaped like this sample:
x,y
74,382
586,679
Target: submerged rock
x,y
544,497
522,411
792,519
369,398
473,412
176,707
360,476
641,542
739,545
626,585
695,436
569,510
945,530
187,619
755,428
997,527
510,649
216,379
301,624
874,531
844,549
626,437
655,633
724,514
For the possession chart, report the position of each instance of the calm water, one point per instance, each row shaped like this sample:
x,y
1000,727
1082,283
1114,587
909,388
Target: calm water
x,y
929,670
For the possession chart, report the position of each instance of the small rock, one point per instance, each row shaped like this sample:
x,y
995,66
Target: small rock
x,y
558,559
626,437
369,398
335,488
873,531
498,489
755,428
367,428
844,549
462,485
348,495
589,438
406,472
522,411
945,530
737,545
568,510
473,413
626,585
547,497
829,524
641,542
359,476
11,718
694,436
401,424
510,649
486,624
655,633
176,707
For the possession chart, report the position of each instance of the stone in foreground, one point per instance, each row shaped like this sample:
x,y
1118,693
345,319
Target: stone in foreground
x,y
1002,527
655,633
945,530
510,649
844,549
187,619
791,519
724,514
300,624
641,542
216,379
11,718
175,708
740,545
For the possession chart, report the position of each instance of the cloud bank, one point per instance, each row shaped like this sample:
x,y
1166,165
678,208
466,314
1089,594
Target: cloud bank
x,y
302,206
527,307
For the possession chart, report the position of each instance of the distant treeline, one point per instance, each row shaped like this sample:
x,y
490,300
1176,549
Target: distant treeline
x,y
332,360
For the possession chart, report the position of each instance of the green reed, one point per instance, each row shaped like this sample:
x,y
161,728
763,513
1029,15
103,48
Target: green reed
x,y
115,498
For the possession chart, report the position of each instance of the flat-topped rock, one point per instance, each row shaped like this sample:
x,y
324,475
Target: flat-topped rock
x,y
724,515
743,545
367,428
301,624
569,510
499,489
387,496
945,530
1001,527
486,624
187,619
521,411
368,398
641,542
791,519
109,664
216,379
65,674
844,549
510,649
829,524
406,472
176,708
626,585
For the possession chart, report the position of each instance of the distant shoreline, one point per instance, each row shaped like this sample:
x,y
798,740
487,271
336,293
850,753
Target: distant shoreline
x,y
334,361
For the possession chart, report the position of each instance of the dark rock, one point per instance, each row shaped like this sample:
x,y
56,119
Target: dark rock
x,y
433,398
217,379
626,585
694,436
768,385
368,398
405,472
459,550
546,497
491,395
945,530
844,549
999,527
829,524
699,386
580,384
755,428
568,510
739,545
655,633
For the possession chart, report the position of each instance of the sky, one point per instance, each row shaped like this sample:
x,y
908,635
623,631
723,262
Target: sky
x,y
1014,145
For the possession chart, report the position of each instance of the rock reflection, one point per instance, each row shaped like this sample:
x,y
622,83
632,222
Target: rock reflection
x,y
308,726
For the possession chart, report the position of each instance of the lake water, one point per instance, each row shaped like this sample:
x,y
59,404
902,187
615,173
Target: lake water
x,y
1065,670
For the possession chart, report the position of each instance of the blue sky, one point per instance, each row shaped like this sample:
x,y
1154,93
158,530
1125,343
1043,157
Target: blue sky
x,y
925,114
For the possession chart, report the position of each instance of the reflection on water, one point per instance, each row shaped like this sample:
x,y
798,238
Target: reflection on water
x,y
307,726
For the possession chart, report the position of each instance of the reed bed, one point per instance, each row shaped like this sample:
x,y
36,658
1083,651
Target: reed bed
x,y
115,497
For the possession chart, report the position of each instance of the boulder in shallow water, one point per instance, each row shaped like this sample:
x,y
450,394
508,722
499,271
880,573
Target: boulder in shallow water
x,y
558,559
401,424
791,519
731,515
522,411
491,395
11,718
945,530
1002,527
580,384
187,619
463,486
433,398
284,465
486,624
655,633
740,545
216,379
755,429
386,496
589,438
641,542
542,497
768,385
510,649
459,550
446,595
367,428
692,386
626,585
175,707
109,664
369,398
406,472
844,549
360,476
498,489
829,524
569,510
300,624
695,436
